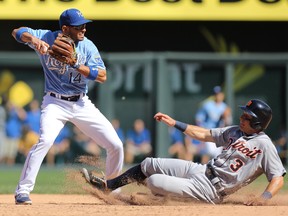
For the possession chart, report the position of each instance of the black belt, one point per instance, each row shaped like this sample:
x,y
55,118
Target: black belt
x,y
73,98
210,173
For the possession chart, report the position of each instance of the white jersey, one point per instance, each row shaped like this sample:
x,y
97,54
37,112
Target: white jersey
x,y
244,158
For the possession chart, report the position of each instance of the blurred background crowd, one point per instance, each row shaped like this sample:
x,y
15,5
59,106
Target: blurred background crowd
x,y
20,126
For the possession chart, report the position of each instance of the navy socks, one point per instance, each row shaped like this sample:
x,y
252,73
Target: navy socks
x,y
133,174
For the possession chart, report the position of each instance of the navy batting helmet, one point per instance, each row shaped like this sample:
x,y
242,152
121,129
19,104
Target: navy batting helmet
x,y
261,113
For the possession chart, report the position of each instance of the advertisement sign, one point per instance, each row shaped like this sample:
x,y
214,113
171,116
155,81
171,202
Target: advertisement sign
x,y
242,10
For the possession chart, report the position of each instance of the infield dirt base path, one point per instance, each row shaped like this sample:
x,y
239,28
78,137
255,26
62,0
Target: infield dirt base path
x,y
88,205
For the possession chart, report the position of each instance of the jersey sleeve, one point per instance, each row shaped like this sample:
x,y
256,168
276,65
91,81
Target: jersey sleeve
x,y
222,135
94,57
39,33
271,162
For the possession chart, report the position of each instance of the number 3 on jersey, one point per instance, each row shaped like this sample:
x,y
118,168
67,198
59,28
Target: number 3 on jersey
x,y
238,163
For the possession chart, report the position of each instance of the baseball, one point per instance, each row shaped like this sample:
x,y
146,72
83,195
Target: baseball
x,y
43,49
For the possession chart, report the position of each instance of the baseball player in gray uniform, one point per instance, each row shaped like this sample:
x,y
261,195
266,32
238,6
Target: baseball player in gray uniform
x,y
66,98
247,153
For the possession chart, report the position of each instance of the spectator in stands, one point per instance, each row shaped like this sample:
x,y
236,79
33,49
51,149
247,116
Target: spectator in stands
x,y
82,145
118,129
212,114
195,149
177,148
33,116
15,118
2,128
60,149
138,142
27,140
30,131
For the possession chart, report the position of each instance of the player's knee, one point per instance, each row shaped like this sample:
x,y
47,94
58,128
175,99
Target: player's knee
x,y
147,161
146,164
155,185
118,147
153,182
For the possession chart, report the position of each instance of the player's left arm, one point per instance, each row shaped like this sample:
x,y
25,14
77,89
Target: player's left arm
x,y
94,68
274,186
271,190
90,72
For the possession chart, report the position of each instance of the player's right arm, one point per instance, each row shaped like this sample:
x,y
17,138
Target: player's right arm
x,y
23,36
195,132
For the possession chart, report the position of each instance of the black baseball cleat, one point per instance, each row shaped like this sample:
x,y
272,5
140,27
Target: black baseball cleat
x,y
97,182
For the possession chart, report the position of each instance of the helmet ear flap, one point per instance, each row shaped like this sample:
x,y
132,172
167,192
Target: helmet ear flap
x,y
256,125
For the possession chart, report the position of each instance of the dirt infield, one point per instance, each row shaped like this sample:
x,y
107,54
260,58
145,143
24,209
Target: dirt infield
x,y
80,198
134,204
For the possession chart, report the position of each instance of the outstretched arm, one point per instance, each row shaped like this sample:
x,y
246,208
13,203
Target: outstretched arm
x,y
22,35
193,131
272,189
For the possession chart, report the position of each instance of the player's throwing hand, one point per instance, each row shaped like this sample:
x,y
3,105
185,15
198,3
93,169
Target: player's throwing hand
x,y
165,119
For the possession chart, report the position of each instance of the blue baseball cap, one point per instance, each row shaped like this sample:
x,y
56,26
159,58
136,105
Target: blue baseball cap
x,y
217,89
72,17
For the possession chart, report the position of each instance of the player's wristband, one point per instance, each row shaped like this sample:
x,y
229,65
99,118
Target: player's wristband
x,y
93,73
19,34
180,126
266,195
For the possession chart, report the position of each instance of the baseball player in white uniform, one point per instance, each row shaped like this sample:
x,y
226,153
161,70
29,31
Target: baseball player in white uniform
x,y
66,98
247,153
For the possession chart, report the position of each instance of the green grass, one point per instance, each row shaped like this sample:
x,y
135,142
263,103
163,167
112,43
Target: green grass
x,y
49,180
61,180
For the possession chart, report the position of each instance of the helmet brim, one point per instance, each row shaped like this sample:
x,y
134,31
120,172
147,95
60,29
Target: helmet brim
x,y
247,110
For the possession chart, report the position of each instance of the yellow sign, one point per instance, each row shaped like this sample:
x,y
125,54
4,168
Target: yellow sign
x,y
262,10
20,94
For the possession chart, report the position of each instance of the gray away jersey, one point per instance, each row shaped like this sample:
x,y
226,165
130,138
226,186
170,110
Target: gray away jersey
x,y
244,158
